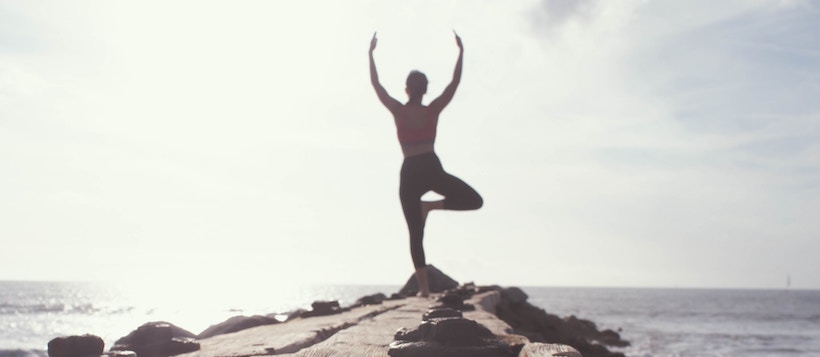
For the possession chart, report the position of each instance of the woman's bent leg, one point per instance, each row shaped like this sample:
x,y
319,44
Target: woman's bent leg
x,y
458,195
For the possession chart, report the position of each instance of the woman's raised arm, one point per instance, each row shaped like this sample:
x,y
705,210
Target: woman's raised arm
x,y
445,97
392,104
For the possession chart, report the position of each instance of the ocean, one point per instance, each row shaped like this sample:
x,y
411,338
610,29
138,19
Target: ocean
x,y
658,322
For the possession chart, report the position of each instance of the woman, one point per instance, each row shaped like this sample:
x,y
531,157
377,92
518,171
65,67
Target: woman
x,y
421,171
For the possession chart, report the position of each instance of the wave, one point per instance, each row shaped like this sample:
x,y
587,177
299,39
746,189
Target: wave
x,y
28,308
43,308
23,353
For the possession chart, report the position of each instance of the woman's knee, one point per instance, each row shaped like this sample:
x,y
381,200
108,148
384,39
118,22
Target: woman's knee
x,y
478,201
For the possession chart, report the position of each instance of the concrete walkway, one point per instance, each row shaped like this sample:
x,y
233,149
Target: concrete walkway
x,y
363,331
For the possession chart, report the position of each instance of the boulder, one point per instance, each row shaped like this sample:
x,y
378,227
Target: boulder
x,y
157,339
76,346
323,308
374,299
236,323
437,281
514,295
449,336
459,332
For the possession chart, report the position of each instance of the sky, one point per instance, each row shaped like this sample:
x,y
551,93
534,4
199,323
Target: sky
x,y
615,143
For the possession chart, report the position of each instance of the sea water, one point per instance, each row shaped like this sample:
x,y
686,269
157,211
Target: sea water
x,y
696,322
658,322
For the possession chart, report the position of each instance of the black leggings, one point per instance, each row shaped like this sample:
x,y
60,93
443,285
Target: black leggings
x,y
419,175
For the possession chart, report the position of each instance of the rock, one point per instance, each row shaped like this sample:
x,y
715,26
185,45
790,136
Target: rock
x,y
437,282
236,323
579,327
449,336
374,299
323,308
441,312
486,288
453,300
157,339
611,338
466,291
76,346
460,332
514,295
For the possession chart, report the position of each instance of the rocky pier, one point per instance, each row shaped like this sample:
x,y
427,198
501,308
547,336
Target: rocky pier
x,y
459,320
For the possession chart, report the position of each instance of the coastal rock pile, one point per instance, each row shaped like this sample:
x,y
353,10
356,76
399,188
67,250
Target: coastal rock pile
x,y
443,331
526,320
539,326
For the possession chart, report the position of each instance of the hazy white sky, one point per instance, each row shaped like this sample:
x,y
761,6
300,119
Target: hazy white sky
x,y
616,143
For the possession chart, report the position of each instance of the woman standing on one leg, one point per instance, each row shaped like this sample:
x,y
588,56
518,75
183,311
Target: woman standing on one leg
x,y
421,171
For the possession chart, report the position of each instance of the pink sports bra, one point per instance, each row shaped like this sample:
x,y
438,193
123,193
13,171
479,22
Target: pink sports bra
x,y
416,130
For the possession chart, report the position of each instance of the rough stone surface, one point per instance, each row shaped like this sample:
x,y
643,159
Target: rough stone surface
x,y
76,346
236,323
437,282
362,331
157,339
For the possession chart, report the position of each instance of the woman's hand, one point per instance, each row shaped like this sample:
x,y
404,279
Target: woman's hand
x,y
373,43
458,40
